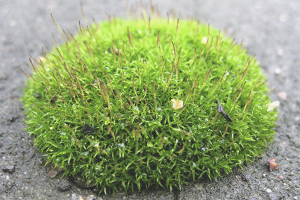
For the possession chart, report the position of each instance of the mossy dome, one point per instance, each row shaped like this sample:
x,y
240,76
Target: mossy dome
x,y
134,103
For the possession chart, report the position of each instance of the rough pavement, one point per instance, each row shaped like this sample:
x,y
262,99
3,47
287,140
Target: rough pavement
x,y
269,29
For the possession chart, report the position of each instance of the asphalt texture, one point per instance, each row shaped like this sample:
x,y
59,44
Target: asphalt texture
x,y
269,29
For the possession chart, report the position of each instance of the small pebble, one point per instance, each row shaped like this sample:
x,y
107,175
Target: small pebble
x,y
198,186
42,162
281,177
13,118
10,169
278,70
273,196
74,196
282,95
283,17
280,52
247,177
119,195
9,184
52,171
64,186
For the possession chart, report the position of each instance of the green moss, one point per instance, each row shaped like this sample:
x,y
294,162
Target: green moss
x,y
101,105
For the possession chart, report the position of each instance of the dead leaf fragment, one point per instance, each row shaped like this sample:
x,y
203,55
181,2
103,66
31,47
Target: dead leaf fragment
x,y
272,164
80,198
41,59
177,104
273,105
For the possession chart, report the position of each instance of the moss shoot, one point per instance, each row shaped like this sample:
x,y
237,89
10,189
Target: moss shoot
x,y
131,104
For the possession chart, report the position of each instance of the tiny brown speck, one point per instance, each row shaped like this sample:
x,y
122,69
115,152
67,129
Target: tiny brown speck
x,y
281,177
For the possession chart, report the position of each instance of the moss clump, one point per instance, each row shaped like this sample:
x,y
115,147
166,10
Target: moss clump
x,y
129,104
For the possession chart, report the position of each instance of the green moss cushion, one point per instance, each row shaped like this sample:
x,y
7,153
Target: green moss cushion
x,y
130,104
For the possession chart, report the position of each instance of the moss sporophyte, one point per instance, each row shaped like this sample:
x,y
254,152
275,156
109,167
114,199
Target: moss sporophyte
x,y
131,104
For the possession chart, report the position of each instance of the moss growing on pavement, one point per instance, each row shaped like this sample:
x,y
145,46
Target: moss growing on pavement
x,y
131,104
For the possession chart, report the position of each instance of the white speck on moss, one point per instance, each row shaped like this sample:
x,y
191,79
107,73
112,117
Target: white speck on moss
x,y
273,105
204,40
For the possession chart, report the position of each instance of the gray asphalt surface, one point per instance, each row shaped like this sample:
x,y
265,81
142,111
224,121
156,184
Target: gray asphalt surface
x,y
269,29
